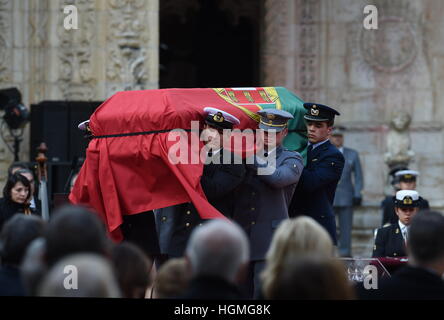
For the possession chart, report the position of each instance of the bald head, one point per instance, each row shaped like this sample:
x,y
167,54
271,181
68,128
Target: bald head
x,y
218,248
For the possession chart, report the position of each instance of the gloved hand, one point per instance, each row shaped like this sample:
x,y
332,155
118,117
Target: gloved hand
x,y
357,201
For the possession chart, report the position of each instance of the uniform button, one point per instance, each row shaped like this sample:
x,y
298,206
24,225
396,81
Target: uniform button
x,y
200,224
187,224
253,222
253,193
164,218
253,208
395,254
188,212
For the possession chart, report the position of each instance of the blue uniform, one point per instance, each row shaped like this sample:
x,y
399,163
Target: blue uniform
x,y
347,191
315,191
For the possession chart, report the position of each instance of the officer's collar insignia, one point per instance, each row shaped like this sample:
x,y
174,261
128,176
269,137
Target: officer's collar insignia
x,y
218,117
407,200
397,230
314,111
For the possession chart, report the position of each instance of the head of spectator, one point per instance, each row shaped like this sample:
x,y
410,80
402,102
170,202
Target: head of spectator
x,y
80,275
17,233
172,279
295,238
133,269
218,249
407,179
30,176
406,205
426,242
74,229
17,189
33,267
311,278
16,166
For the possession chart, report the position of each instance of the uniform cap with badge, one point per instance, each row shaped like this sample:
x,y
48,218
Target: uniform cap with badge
x,y
319,112
220,119
407,175
274,119
407,199
338,131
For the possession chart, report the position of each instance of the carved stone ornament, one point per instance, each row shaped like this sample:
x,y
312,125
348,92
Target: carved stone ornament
x,y
76,72
398,141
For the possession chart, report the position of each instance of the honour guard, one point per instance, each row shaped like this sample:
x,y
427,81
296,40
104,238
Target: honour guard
x,y
405,180
219,179
315,192
348,192
390,240
264,196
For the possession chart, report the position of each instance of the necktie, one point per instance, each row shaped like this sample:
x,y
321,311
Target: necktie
x,y
309,151
405,234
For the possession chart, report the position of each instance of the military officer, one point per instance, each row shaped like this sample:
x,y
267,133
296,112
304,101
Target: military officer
x,y
390,240
264,196
219,179
315,191
406,180
348,192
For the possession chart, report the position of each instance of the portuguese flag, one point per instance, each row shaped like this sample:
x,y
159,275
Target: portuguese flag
x,y
127,169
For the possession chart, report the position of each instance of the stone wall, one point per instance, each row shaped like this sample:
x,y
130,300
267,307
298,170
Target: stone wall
x,y
114,48
320,50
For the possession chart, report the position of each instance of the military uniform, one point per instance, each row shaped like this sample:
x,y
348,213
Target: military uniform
x,y
388,209
315,191
391,240
388,204
218,183
348,194
262,200
219,179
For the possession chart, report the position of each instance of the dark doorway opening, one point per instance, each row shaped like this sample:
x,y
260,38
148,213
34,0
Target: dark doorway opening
x,y
209,43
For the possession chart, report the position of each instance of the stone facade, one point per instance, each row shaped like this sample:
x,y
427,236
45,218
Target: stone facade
x,y
326,55
114,48
319,49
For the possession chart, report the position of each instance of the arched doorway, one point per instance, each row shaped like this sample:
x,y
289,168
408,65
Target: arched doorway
x,y
209,43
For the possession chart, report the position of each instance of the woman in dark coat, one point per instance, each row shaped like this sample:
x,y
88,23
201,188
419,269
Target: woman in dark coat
x,y
16,196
